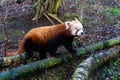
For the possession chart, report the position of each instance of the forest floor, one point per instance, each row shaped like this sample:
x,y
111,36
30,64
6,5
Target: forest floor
x,y
101,21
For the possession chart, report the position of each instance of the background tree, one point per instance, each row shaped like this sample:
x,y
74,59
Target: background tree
x,y
47,8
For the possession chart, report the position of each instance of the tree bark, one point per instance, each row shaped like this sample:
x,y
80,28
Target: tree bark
x,y
6,61
42,7
46,7
88,65
98,46
94,61
30,68
57,4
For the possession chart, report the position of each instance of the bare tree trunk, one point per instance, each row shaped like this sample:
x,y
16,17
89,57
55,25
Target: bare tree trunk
x,y
94,61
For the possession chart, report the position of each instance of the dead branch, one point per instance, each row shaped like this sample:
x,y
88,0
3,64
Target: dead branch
x,y
94,61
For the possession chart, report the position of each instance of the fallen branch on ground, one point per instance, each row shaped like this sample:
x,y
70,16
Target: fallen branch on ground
x,y
30,68
5,61
94,61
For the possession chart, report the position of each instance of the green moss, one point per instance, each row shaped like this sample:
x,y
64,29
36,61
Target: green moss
x,y
111,71
113,11
16,32
2,37
118,24
86,21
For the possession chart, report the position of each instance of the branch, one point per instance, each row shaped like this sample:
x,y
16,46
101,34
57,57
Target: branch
x,y
99,46
13,73
87,66
55,17
6,61
48,18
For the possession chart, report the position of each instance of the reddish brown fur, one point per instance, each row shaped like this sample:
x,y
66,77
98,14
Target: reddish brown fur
x,y
42,35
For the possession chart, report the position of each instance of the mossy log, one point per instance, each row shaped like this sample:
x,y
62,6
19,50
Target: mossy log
x,y
94,61
99,46
14,73
6,61
38,65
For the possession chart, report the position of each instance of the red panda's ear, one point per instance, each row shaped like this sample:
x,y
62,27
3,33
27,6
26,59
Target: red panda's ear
x,y
67,24
76,19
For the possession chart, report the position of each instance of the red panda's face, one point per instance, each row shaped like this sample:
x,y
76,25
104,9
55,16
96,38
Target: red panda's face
x,y
76,28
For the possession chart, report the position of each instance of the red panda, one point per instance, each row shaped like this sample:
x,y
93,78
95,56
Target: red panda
x,y
49,38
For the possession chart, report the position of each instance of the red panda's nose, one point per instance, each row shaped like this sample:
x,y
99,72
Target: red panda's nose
x,y
82,33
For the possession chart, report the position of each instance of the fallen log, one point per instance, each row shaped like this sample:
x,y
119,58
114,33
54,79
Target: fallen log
x,y
6,61
30,68
99,46
94,61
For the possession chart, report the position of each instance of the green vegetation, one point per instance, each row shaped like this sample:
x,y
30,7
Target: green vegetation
x,y
114,15
67,16
101,22
16,32
118,24
113,11
2,37
111,72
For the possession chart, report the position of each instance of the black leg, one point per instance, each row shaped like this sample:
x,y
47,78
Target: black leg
x,y
28,45
29,55
53,53
52,47
42,54
71,49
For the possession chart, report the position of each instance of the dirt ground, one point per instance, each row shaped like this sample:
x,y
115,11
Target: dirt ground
x,y
101,21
